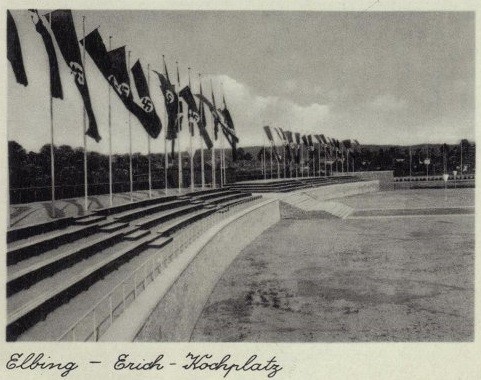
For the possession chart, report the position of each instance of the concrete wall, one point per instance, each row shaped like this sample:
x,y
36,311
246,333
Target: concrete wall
x,y
169,308
340,190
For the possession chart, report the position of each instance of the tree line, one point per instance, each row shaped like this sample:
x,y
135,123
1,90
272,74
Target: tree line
x,y
30,171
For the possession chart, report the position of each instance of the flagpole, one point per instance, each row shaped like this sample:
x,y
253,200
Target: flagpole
x,y
148,141
295,160
347,160
131,174
319,158
52,152
86,205
461,158
223,146
308,159
284,162
110,137
264,157
337,163
191,164
213,161
342,160
325,161
202,174
191,144
221,160
278,167
302,160
331,157
213,142
166,154
179,154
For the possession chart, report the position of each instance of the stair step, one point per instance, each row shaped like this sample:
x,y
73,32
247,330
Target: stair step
x,y
149,210
160,242
210,206
113,226
37,245
90,219
175,224
20,277
24,315
166,215
136,235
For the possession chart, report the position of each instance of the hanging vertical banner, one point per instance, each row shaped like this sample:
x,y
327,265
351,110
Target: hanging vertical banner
x,y
113,66
62,25
230,124
149,118
55,82
268,132
171,103
14,51
194,117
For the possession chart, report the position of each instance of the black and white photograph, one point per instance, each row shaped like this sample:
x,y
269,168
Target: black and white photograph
x,y
302,177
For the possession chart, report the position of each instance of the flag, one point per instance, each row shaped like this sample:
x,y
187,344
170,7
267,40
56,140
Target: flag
x,y
287,145
203,119
289,137
14,51
298,138
113,66
216,119
304,140
193,115
61,23
180,110
324,140
318,138
278,133
149,118
228,131
55,82
268,132
171,104
118,76
309,141
230,125
347,143
186,94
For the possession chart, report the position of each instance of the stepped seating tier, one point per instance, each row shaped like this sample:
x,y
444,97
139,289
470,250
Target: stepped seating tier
x,y
158,218
28,307
204,192
23,232
224,206
133,205
36,245
182,221
287,185
27,273
50,263
227,197
215,194
130,215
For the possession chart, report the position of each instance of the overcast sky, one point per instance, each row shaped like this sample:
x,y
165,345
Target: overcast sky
x,y
379,77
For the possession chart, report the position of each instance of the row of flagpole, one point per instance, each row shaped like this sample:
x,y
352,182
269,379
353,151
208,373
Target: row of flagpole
x,y
222,179
302,160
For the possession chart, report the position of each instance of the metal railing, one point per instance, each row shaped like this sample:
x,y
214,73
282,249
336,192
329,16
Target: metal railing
x,y
96,321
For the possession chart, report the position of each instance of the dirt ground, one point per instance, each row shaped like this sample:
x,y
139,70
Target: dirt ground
x,y
311,278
